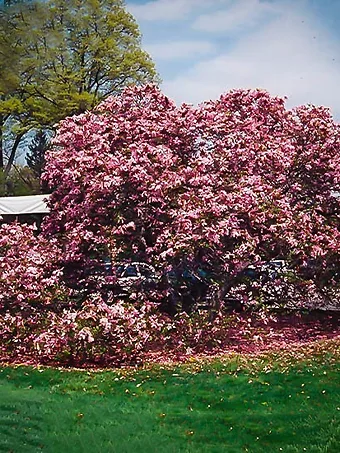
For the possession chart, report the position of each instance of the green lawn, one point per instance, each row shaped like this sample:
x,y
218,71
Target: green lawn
x,y
276,403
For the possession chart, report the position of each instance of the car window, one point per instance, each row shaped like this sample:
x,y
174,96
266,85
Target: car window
x,y
130,271
119,270
145,271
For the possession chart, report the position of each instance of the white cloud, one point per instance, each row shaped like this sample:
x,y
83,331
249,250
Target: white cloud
x,y
162,9
166,10
291,56
179,49
241,13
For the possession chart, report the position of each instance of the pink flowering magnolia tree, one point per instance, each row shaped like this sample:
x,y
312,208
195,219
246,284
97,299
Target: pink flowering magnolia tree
x,y
276,172
231,182
30,274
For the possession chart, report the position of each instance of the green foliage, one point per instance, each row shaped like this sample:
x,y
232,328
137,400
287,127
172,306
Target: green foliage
x,y
35,158
2,184
20,181
60,58
71,55
7,3
214,407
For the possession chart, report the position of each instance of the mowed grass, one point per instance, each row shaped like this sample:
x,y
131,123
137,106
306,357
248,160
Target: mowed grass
x,y
286,402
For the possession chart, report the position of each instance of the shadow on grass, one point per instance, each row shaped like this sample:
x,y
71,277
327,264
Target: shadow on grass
x,y
20,421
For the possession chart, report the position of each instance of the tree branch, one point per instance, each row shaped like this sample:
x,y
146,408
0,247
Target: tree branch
x,y
13,153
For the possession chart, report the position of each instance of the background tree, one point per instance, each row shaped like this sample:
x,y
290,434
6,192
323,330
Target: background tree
x,y
20,181
35,157
11,72
61,58
7,3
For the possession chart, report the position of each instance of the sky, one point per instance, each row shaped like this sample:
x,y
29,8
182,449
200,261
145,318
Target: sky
x,y
203,48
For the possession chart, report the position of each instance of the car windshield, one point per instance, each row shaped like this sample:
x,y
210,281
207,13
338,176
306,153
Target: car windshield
x,y
276,263
145,271
119,270
130,271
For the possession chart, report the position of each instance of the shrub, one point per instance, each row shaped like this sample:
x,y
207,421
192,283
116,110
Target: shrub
x,y
30,275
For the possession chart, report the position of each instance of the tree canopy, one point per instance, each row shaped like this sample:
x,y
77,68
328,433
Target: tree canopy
x,y
61,58
233,181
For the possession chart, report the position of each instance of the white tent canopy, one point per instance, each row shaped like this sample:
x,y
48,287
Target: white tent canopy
x,y
30,204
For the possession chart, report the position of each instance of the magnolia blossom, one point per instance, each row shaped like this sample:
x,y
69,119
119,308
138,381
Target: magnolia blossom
x,y
30,273
232,181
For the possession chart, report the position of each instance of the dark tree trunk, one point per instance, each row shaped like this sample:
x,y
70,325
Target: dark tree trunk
x,y
13,153
1,143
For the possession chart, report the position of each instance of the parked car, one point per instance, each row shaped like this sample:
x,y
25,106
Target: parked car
x,y
264,271
112,281
133,277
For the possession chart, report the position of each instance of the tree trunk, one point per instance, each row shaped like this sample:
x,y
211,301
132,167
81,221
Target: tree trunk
x,y
13,153
1,142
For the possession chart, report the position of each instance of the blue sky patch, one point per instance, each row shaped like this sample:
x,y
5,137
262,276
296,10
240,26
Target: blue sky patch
x,y
205,47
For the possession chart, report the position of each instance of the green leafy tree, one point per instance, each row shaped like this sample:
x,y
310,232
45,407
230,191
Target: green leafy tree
x,y
62,58
2,184
20,181
7,3
35,157
12,75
